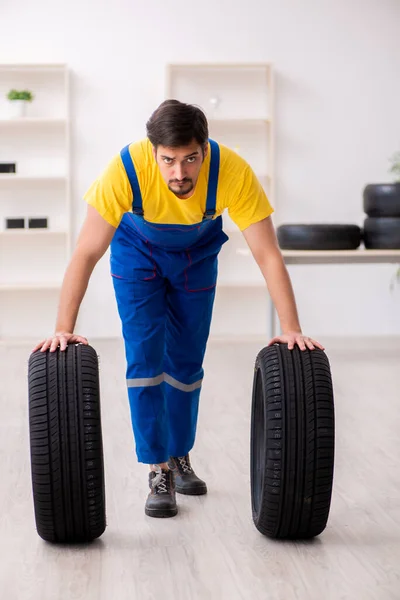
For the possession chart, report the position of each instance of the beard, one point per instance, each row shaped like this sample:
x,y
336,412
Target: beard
x,y
184,187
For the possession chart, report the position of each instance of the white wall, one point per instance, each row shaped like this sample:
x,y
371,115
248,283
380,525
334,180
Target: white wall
x,y
337,66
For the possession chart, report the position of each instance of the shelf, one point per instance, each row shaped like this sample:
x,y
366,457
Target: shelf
x,y
31,179
240,121
30,232
31,121
218,66
358,256
31,67
26,287
361,255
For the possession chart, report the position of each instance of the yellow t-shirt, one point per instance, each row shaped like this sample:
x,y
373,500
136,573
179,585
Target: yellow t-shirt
x,y
239,191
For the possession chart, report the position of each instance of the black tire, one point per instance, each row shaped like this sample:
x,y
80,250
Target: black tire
x,y
66,445
382,233
382,200
319,237
292,442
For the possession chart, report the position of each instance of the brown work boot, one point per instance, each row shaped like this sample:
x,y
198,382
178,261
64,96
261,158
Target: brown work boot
x,y
161,501
186,481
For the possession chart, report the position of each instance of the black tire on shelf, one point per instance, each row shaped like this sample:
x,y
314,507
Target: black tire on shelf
x,y
322,236
382,200
66,446
382,233
292,442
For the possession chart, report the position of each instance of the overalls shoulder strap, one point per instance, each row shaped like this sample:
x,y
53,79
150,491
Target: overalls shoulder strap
x,y
137,205
212,182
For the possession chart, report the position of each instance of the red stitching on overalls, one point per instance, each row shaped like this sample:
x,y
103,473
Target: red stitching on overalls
x,y
186,278
173,228
160,228
154,265
133,221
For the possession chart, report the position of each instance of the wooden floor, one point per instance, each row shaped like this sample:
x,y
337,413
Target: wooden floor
x,y
212,550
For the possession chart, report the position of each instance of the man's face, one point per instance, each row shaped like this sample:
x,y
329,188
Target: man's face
x,y
180,167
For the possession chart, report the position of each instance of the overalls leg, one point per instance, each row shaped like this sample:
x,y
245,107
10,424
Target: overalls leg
x,y
189,310
141,301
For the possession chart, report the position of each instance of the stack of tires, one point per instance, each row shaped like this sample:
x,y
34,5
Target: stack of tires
x,y
382,224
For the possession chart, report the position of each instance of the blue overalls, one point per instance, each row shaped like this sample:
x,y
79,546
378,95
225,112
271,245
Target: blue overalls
x,y
164,279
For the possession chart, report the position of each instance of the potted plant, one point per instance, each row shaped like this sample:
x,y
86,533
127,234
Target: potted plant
x,y
18,100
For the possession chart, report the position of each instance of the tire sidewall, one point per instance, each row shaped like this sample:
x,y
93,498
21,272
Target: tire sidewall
x,y
382,200
258,371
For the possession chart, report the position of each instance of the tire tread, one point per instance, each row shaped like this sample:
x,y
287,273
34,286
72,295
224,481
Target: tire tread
x,y
296,492
66,445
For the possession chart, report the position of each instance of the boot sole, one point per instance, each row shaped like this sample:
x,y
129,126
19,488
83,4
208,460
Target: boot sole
x,y
200,491
161,513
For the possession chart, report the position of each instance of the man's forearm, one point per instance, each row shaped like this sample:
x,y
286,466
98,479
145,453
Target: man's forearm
x,y
281,292
73,289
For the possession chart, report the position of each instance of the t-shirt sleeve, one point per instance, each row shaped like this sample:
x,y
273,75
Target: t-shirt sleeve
x,y
110,194
250,203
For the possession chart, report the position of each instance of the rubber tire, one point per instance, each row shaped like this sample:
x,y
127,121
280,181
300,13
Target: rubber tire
x,y
382,200
292,442
319,237
382,233
66,447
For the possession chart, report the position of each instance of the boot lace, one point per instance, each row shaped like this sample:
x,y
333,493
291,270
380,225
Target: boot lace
x,y
185,464
160,481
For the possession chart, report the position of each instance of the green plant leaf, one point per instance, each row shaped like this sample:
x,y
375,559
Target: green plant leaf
x,y
20,95
395,166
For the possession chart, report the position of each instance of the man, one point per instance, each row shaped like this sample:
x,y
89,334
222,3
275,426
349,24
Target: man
x,y
158,204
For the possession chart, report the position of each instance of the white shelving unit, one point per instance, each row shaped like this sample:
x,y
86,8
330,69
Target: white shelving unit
x,y
238,100
33,261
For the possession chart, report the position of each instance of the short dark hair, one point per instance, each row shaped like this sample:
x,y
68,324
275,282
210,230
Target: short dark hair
x,y
175,124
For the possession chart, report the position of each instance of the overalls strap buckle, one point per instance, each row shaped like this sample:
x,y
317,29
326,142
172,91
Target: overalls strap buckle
x,y
138,210
208,215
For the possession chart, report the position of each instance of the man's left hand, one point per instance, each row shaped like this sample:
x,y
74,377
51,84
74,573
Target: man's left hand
x,y
294,337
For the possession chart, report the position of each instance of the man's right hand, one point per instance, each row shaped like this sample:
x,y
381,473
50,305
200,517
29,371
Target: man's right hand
x,y
61,339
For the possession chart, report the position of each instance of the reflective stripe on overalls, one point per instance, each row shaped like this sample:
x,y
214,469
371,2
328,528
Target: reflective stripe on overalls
x,y
164,279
